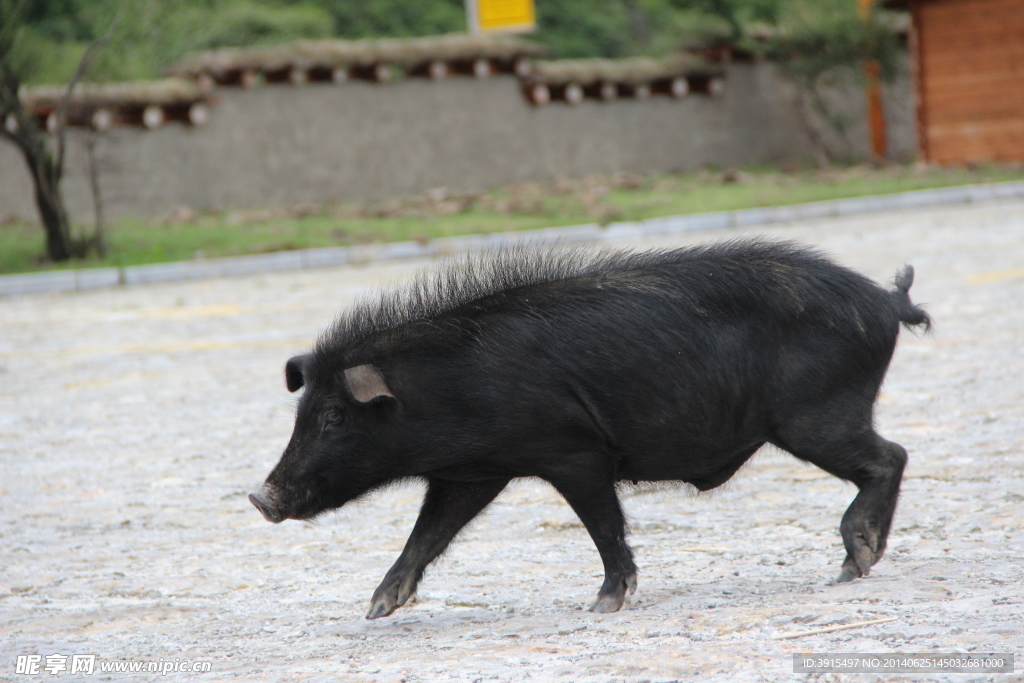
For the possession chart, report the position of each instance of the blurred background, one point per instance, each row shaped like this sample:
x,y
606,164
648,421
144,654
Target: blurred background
x,y
141,131
153,34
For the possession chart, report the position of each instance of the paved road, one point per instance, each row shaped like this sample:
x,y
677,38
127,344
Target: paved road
x,y
134,421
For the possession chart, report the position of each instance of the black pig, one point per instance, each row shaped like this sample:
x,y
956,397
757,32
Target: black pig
x,y
589,368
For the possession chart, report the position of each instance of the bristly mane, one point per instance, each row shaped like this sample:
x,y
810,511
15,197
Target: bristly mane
x,y
446,287
458,280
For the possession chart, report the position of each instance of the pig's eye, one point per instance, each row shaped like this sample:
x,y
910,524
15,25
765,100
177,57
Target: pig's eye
x,y
332,419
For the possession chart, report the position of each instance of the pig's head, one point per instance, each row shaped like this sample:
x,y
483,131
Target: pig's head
x,y
339,444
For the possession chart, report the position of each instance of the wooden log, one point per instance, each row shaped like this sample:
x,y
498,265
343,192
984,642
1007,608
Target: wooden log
x,y
153,116
437,70
198,114
382,73
481,68
540,94
609,91
573,94
522,67
250,78
339,74
103,119
680,87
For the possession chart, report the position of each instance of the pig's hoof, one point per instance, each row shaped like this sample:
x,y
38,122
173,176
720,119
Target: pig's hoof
x,y
850,571
608,603
381,609
389,596
612,597
867,550
846,576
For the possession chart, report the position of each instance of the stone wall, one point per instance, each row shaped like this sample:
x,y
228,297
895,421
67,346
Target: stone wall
x,y
284,145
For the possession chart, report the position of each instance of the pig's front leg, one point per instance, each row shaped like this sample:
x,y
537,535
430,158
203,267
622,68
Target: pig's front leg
x,y
447,507
597,505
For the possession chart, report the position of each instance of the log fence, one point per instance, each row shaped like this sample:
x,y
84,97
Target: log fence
x,y
187,95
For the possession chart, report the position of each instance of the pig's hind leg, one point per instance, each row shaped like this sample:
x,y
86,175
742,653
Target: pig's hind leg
x,y
852,450
447,508
597,506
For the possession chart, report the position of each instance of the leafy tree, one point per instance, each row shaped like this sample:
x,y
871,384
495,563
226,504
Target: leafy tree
x,y
394,18
152,34
822,44
584,28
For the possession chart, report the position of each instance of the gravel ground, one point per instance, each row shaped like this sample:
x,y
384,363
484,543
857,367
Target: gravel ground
x,y
134,421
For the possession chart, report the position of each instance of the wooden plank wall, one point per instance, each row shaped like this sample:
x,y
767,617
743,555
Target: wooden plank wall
x,y
970,79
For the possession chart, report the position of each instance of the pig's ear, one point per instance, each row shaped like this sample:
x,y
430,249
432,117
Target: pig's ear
x,y
366,383
293,372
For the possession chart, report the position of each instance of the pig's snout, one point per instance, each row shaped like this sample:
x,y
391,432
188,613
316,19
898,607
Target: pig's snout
x,y
261,500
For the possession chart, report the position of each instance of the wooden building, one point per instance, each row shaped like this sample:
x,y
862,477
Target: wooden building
x,y
968,58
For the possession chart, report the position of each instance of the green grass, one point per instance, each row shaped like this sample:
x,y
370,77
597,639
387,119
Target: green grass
x,y
521,207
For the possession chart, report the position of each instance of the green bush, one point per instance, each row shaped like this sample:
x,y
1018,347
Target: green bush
x,y
395,18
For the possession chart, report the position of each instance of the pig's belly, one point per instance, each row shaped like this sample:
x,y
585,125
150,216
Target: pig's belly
x,y
702,467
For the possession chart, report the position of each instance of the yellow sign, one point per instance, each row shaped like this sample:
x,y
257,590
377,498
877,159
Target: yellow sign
x,y
500,16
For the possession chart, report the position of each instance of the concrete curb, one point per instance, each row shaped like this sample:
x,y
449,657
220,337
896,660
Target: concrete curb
x,y
93,278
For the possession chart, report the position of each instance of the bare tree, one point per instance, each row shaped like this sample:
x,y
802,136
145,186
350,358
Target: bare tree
x,y
45,166
93,168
